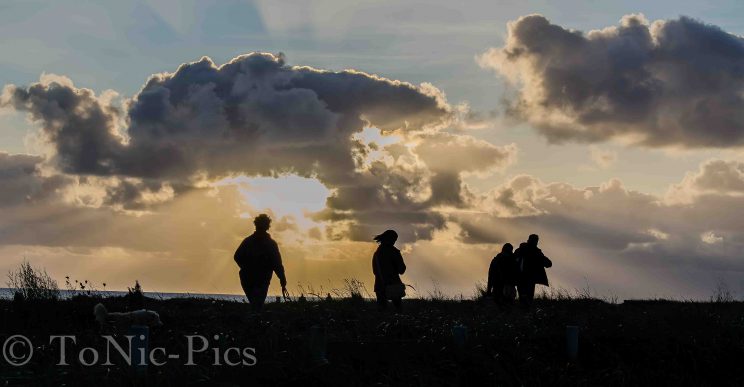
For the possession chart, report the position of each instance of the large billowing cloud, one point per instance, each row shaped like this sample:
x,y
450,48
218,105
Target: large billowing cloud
x,y
253,115
669,83
257,116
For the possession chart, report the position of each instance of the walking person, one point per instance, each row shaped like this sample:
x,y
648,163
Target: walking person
x,y
532,263
502,276
387,266
258,257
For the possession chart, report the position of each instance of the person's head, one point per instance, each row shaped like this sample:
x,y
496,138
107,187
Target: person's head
x,y
508,248
262,222
533,239
387,238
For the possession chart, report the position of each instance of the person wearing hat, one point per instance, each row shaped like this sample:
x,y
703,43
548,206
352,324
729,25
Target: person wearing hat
x,y
387,266
258,257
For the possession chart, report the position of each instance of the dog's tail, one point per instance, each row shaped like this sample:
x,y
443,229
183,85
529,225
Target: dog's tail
x,y
101,313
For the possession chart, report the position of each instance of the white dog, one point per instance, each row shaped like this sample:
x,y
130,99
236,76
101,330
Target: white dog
x,y
126,319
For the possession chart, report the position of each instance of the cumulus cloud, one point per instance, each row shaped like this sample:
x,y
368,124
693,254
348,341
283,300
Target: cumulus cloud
x,y
258,116
710,238
613,225
560,207
719,176
714,177
668,83
461,153
131,193
80,128
253,115
451,156
22,182
382,196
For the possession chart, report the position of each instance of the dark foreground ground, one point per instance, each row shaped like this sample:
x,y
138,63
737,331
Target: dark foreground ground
x,y
634,343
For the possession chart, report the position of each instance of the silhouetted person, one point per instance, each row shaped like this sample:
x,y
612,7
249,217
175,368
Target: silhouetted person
x,y
502,276
532,263
387,265
258,256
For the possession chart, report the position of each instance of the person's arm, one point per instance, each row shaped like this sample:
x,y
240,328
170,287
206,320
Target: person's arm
x,y
491,273
374,264
401,266
279,267
546,261
240,253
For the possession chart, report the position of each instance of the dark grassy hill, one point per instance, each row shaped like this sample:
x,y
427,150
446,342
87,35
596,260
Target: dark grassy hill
x,y
634,343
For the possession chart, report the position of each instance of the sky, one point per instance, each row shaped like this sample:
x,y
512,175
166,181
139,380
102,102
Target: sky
x,y
138,139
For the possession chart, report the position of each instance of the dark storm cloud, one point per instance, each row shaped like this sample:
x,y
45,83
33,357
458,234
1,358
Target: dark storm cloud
x,y
671,83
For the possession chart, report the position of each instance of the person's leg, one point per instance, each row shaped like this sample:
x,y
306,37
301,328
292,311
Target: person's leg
x,y
381,300
249,290
527,293
502,294
498,293
398,304
255,302
508,294
523,289
244,283
260,292
252,290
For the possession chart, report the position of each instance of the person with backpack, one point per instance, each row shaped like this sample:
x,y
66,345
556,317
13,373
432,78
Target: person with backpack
x,y
532,263
387,266
502,276
258,257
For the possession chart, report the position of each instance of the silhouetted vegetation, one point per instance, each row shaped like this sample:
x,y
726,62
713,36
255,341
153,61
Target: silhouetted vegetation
x,y
29,283
135,296
354,289
633,343
83,287
722,293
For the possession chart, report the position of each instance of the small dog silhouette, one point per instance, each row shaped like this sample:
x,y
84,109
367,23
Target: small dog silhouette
x,y
122,320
